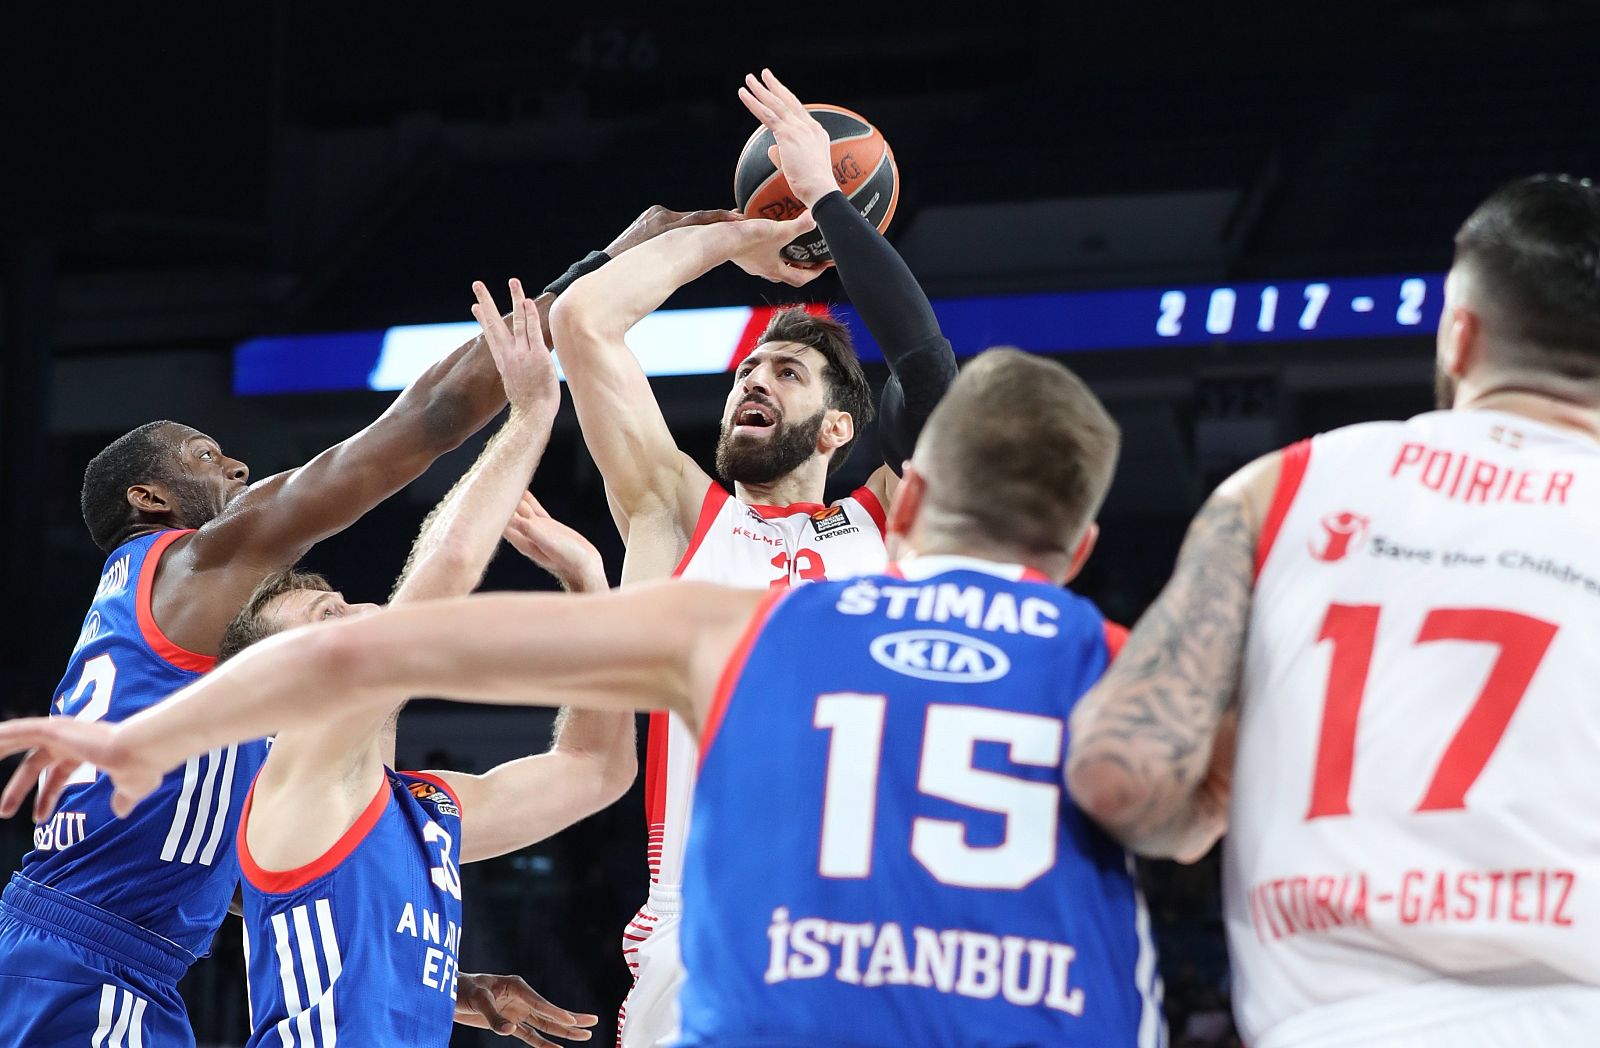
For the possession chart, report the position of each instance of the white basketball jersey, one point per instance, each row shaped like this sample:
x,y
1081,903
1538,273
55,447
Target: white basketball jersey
x,y
1415,825
757,547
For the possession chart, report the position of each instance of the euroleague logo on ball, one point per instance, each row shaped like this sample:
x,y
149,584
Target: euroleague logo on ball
x,y
1343,532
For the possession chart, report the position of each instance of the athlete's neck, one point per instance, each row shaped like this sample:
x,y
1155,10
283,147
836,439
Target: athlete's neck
x,y
1565,410
928,542
804,484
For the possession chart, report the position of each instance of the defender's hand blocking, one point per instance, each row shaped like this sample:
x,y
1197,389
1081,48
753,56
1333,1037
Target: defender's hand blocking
x,y
556,548
758,241
511,1008
803,151
518,348
657,220
59,745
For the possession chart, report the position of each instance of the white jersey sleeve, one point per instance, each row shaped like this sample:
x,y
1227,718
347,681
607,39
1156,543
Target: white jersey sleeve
x,y
1415,802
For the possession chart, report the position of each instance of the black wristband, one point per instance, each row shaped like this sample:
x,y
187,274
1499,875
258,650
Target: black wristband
x,y
584,266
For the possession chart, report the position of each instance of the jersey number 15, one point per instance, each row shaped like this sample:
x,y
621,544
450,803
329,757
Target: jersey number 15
x,y
950,732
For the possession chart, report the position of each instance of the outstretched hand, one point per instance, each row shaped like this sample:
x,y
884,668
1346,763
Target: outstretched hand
x,y
526,370
556,548
757,247
511,1008
57,747
657,220
803,150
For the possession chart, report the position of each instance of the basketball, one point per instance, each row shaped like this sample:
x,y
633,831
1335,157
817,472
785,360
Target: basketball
x,y
863,166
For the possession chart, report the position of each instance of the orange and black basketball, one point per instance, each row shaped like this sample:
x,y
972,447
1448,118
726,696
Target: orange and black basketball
x,y
863,165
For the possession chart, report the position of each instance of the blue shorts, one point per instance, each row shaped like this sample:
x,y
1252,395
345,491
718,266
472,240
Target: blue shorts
x,y
74,976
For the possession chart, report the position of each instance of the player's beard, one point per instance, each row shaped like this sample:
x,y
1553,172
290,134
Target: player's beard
x,y
1444,388
745,460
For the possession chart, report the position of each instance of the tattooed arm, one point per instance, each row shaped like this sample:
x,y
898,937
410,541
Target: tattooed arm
x,y
1151,757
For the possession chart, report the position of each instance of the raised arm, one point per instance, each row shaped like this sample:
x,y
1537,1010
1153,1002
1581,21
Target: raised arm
x,y
654,647
319,776
459,537
1151,753
881,286
591,761
645,473
273,524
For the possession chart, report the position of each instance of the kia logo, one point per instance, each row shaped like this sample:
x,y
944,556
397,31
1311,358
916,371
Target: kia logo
x,y
940,655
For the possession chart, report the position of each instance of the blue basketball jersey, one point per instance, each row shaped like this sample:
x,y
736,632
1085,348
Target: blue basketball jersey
x,y
882,849
360,947
169,867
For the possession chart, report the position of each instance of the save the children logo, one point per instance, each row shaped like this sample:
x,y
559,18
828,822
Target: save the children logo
x,y
1342,533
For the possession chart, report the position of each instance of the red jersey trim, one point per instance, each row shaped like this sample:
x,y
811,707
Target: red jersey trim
x,y
439,782
655,758
785,511
182,658
710,506
733,669
869,501
278,882
1116,637
1034,575
655,767
1296,457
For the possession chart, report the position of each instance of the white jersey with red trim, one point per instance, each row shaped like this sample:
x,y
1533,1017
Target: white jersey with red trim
x,y
739,545
758,547
1415,825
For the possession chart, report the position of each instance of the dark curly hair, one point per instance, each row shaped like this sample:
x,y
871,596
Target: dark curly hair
x,y
138,456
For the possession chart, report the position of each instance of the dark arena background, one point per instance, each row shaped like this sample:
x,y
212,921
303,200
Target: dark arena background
x,y
1231,218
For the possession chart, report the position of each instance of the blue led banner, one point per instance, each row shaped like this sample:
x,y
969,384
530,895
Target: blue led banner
x,y
708,341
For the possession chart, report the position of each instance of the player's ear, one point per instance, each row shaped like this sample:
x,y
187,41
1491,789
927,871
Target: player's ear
x,y
1080,554
1458,340
152,498
837,429
908,496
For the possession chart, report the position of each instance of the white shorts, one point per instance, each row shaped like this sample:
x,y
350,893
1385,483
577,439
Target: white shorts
x,y
649,1016
1448,1015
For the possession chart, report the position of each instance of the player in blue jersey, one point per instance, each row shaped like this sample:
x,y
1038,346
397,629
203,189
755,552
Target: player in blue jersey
x,y
352,900
106,915
929,882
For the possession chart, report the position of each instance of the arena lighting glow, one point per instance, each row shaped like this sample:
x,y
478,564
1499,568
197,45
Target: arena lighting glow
x,y
708,341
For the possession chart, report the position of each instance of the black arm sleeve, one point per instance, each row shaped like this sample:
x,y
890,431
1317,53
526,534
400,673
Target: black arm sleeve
x,y
895,310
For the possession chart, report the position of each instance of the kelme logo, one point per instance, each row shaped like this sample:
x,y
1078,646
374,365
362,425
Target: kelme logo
x,y
940,655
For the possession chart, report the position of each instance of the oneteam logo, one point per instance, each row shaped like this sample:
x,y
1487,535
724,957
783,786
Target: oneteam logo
x,y
940,655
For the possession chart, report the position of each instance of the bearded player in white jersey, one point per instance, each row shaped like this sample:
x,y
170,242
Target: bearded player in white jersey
x,y
1403,616
797,404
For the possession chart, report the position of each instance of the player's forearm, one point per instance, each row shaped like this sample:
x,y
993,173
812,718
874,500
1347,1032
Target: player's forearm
x,y
896,310
598,309
460,536
286,683
605,740
1142,738
453,399
1135,796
